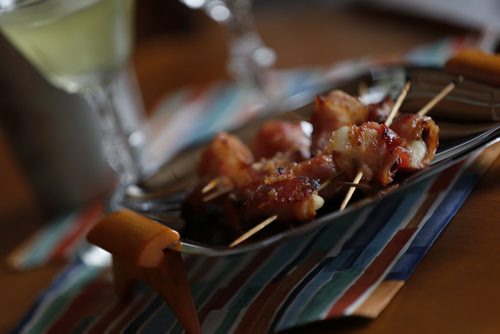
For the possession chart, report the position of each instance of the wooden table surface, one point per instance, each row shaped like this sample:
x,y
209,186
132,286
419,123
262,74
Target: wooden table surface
x,y
454,290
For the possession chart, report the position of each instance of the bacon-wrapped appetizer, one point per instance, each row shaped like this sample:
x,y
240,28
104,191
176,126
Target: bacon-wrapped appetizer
x,y
291,198
331,112
224,162
225,156
371,148
277,178
378,112
421,138
338,109
323,169
281,136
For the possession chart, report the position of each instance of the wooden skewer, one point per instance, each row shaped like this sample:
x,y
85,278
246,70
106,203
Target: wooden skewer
x,y
388,121
351,190
362,88
397,105
217,193
445,91
324,184
210,185
252,231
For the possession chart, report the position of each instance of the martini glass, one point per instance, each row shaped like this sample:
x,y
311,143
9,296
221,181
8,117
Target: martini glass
x,y
81,46
249,58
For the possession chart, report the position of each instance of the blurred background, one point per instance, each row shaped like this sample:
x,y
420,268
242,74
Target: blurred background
x,y
49,155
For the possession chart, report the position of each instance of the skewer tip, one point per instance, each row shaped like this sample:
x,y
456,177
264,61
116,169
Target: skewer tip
x,y
351,190
252,231
210,185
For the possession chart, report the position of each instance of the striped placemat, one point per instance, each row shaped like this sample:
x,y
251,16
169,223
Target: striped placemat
x,y
352,267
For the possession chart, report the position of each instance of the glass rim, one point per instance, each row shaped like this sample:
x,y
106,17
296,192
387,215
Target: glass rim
x,y
12,5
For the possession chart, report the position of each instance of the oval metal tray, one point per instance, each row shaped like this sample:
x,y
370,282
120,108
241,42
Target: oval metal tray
x,y
468,119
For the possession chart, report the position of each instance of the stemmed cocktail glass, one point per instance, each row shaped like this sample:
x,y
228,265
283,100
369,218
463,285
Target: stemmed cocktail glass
x,y
249,59
81,46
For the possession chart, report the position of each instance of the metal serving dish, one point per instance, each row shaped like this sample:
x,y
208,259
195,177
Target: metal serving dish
x,y
468,118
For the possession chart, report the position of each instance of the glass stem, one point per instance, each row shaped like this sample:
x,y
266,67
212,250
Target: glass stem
x,y
117,150
250,59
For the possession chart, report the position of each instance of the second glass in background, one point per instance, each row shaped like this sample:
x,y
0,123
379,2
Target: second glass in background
x,y
250,60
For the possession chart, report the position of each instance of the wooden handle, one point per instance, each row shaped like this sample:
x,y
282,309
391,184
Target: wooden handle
x,y
476,65
133,237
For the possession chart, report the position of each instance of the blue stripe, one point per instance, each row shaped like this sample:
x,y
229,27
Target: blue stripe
x,y
435,225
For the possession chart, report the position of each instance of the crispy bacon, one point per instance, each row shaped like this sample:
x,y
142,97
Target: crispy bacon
x,y
421,138
291,198
323,169
378,112
331,112
280,136
372,148
250,178
224,159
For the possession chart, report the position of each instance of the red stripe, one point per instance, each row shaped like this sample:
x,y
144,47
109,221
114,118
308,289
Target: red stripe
x,y
90,302
81,225
373,273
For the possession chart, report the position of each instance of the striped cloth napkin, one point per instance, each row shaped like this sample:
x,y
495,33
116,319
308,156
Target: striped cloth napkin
x,y
352,267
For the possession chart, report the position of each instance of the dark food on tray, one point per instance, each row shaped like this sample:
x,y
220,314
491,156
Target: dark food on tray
x,y
291,174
